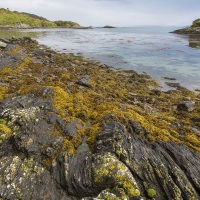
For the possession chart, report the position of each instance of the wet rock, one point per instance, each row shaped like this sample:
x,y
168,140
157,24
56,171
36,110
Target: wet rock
x,y
84,82
71,129
186,106
169,78
166,167
3,45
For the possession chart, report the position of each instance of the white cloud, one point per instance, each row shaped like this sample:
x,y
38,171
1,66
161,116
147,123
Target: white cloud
x,y
114,12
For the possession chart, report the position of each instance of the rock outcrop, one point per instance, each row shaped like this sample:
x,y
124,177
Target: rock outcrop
x,y
123,163
188,30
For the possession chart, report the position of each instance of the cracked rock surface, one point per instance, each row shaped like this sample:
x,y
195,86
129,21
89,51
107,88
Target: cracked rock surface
x,y
121,161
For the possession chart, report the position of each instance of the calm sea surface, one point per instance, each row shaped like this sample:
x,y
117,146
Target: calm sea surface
x,y
145,49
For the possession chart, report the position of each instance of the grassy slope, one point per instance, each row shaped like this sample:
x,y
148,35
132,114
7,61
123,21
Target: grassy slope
x,y
196,23
14,18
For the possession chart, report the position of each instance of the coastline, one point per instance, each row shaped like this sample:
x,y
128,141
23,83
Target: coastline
x,y
188,30
83,106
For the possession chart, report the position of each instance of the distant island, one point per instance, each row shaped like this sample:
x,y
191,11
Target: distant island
x,y
108,26
193,29
14,19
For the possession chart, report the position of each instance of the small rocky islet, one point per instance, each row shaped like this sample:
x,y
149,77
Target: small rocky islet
x,y
71,128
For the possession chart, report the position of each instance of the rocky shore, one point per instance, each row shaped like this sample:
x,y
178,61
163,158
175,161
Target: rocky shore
x,y
74,129
188,30
194,29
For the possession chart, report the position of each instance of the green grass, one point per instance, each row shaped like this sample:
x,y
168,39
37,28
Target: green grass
x,y
14,18
196,23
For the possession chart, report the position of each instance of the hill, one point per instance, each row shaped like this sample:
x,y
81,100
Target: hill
x,y
22,20
14,19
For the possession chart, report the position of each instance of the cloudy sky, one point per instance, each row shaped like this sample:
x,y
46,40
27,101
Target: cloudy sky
x,y
112,12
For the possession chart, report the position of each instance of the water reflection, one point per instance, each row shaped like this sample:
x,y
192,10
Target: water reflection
x,y
194,41
9,33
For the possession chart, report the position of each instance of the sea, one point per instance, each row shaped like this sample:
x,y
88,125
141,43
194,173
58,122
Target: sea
x,y
146,49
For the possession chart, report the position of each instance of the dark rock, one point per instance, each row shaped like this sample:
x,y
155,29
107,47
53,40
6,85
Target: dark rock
x,y
135,127
169,78
166,167
71,129
122,161
186,106
84,82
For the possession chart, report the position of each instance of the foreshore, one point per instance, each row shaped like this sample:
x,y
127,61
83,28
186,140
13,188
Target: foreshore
x,y
71,128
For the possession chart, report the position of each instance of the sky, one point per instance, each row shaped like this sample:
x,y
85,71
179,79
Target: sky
x,y
122,13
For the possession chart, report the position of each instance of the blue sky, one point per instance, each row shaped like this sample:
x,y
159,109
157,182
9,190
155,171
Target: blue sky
x,y
112,12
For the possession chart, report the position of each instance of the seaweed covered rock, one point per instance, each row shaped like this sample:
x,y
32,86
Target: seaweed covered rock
x,y
160,166
60,140
127,163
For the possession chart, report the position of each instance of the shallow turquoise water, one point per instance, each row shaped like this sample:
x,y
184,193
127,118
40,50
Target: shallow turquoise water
x,y
145,49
